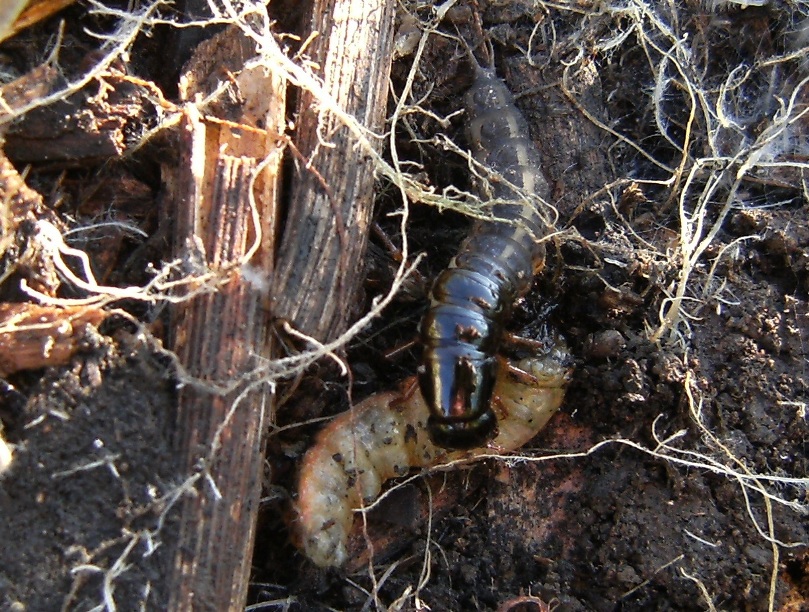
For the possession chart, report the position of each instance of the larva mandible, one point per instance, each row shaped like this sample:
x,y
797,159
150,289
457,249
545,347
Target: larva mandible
x,y
385,436
471,300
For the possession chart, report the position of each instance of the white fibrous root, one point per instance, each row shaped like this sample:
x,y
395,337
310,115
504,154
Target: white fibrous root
x,y
385,436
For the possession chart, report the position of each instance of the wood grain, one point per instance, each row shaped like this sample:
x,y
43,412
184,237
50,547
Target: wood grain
x,y
325,236
220,335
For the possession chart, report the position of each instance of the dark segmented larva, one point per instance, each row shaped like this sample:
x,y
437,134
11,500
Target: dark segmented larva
x,y
385,436
472,299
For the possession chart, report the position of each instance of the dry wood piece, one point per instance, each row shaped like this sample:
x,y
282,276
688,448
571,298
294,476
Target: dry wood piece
x,y
33,337
20,208
218,335
89,125
33,85
19,201
326,231
9,11
16,15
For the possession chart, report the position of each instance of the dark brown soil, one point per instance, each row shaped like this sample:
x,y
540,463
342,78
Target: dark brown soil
x,y
646,492
91,465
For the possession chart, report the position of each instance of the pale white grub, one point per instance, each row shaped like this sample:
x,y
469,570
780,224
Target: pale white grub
x,y
385,436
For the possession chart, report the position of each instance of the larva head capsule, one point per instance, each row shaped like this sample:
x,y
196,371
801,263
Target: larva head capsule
x,y
457,386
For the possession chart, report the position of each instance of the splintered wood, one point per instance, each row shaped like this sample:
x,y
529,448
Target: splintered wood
x,y
34,336
16,15
225,190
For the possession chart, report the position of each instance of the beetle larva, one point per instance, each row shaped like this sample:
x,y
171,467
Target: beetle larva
x,y
385,436
471,300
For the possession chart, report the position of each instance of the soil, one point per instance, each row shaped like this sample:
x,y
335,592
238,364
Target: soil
x,y
674,476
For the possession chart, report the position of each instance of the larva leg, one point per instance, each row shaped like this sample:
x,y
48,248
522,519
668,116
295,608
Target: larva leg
x,y
514,341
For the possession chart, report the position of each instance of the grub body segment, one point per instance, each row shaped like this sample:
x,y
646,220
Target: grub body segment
x,y
385,435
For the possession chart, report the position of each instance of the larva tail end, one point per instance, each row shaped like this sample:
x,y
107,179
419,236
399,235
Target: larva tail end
x,y
326,549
